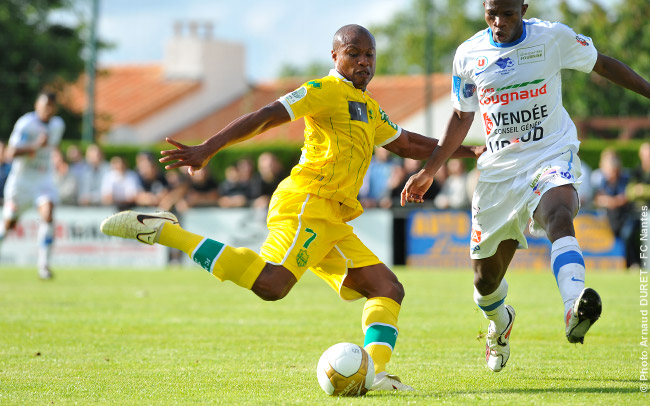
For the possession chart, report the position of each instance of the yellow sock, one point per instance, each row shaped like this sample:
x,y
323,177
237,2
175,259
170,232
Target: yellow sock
x,y
239,265
379,323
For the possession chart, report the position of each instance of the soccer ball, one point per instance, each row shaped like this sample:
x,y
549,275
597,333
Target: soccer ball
x,y
345,369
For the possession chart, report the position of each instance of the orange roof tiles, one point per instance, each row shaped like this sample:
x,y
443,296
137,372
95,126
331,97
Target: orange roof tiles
x,y
128,94
399,96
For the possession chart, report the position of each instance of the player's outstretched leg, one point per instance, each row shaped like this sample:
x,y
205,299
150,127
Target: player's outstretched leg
x,y
239,265
502,318
582,306
379,322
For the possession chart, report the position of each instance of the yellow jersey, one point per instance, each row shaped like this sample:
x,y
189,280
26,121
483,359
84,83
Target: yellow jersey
x,y
342,124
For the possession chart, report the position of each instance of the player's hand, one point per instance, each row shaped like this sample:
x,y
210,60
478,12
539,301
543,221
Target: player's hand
x,y
195,157
416,187
478,150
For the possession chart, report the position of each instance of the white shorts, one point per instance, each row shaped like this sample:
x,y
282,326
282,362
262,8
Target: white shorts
x,y
21,194
501,210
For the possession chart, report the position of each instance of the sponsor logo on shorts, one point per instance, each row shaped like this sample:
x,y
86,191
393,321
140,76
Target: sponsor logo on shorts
x,y
475,247
476,235
302,257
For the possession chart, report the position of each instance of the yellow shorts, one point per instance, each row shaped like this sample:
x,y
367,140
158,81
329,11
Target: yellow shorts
x,y
306,232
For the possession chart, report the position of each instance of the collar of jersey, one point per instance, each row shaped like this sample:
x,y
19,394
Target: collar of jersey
x,y
336,74
507,44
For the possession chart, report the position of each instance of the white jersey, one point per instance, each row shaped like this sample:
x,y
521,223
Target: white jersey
x,y
27,130
516,88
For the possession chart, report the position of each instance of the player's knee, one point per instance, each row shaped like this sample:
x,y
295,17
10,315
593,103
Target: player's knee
x,y
486,282
274,283
273,294
397,291
560,223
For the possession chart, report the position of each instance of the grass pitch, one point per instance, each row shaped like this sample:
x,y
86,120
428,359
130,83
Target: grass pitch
x,y
181,337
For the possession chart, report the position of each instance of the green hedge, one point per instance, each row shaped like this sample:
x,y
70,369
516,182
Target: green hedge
x,y
289,154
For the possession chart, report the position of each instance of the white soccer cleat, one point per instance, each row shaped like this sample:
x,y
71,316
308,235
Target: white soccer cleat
x,y
497,345
388,382
143,227
45,273
582,315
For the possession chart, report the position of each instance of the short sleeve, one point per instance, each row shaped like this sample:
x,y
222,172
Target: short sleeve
x,y
385,130
463,89
310,99
577,51
17,137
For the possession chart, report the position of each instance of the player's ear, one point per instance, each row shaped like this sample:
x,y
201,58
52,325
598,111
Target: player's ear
x,y
524,7
334,55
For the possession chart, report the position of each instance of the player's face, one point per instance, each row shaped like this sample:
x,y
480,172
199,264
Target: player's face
x,y
45,109
355,60
505,18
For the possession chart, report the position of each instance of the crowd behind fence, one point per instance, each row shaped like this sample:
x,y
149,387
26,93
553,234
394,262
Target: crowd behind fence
x,y
86,178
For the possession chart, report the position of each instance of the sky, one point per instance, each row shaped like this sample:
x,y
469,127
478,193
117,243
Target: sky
x,y
274,32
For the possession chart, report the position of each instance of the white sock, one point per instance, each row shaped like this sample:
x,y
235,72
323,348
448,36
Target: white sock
x,y
45,240
493,306
569,269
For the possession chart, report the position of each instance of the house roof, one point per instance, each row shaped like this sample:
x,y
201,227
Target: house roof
x,y
125,95
399,96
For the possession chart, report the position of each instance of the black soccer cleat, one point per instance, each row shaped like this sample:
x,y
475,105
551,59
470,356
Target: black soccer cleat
x,y
583,314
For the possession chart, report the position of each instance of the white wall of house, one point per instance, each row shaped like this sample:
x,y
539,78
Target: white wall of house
x,y
220,68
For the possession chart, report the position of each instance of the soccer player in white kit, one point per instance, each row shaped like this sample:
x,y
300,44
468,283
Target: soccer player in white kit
x,y
510,74
31,179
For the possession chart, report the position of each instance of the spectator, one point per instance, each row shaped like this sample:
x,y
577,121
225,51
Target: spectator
x,y
610,195
120,186
202,189
376,183
90,182
402,174
65,181
153,182
586,188
271,173
241,185
638,190
5,167
453,194
638,194
75,161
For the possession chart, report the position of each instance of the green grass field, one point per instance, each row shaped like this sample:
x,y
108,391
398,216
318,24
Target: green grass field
x,y
182,337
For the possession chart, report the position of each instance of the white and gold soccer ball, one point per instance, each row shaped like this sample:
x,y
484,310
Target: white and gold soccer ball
x,y
345,369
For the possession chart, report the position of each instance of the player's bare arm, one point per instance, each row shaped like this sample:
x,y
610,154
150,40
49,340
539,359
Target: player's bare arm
x,y
621,74
416,146
247,126
418,184
29,149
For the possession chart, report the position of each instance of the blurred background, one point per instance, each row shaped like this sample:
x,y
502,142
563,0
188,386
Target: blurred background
x,y
130,73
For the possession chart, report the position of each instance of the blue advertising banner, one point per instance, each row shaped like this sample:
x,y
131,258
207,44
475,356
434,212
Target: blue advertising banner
x,y
442,239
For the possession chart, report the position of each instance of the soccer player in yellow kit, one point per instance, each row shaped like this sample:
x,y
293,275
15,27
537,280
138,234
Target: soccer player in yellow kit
x,y
309,211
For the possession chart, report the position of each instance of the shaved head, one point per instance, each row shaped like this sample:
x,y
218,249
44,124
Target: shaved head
x,y
348,33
